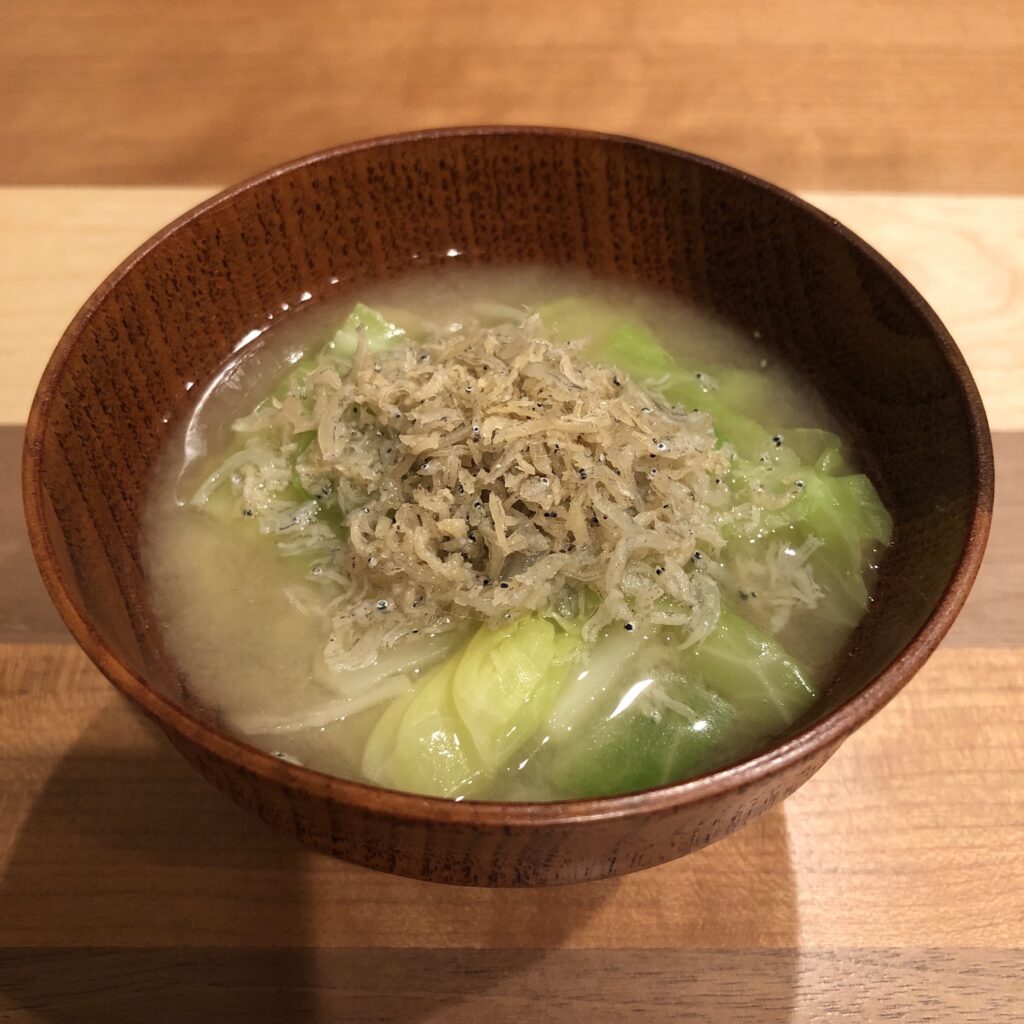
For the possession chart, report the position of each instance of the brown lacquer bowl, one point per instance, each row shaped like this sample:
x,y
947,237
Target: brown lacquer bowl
x,y
816,294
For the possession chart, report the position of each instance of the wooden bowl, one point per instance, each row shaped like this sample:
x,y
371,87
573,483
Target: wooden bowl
x,y
818,296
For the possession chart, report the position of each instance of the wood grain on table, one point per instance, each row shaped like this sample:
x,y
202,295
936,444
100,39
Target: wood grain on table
x,y
890,887
879,94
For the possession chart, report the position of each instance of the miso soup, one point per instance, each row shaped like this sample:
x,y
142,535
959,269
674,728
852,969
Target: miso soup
x,y
509,534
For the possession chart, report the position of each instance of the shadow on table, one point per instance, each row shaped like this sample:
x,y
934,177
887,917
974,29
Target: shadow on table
x,y
647,951
135,892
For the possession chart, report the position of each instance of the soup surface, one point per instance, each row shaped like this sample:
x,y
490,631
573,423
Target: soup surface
x,y
509,534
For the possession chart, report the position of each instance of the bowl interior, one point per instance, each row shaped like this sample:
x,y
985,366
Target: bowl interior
x,y
750,253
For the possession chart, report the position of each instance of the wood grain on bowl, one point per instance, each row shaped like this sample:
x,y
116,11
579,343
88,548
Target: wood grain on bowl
x,y
815,294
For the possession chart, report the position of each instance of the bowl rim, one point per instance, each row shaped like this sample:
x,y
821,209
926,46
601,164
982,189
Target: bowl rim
x,y
820,737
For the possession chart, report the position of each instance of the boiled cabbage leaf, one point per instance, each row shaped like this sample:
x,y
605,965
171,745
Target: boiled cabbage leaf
x,y
381,334
691,716
638,749
473,713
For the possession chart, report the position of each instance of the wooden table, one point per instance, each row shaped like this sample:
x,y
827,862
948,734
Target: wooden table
x,y
890,887
879,94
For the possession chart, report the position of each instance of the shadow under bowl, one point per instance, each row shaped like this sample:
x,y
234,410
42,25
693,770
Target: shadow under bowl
x,y
817,296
